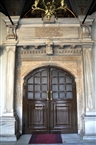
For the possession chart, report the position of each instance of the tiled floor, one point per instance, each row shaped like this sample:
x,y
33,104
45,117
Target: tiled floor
x,y
67,139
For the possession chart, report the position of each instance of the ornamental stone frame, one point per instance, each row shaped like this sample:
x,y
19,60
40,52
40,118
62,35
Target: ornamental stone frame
x,y
28,66
70,52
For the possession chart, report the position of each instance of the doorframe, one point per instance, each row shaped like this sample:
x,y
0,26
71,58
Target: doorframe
x,y
54,66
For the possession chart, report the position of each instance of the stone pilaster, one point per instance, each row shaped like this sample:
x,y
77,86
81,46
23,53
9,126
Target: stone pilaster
x,y
94,70
94,55
9,100
89,115
9,121
88,79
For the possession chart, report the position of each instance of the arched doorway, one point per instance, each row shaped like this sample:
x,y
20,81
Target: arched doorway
x,y
49,103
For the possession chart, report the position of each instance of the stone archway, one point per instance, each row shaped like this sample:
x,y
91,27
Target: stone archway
x,y
27,67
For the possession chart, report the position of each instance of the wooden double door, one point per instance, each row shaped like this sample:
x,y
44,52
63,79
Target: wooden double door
x,y
49,103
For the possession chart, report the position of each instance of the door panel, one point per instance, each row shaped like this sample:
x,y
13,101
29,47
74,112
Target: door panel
x,y
37,85
62,117
50,101
61,84
37,117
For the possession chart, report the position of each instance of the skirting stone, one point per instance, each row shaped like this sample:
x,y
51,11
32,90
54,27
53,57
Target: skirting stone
x,y
90,127
89,137
9,130
8,138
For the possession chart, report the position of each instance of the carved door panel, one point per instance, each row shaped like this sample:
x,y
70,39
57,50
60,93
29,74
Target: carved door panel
x,y
49,101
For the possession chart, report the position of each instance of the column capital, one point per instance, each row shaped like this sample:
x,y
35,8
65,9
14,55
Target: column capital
x,y
87,45
87,49
10,48
86,31
11,32
11,29
10,45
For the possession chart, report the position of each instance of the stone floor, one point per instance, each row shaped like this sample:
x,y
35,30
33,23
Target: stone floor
x,y
67,139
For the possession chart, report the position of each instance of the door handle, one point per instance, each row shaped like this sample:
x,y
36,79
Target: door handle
x,y
47,95
50,95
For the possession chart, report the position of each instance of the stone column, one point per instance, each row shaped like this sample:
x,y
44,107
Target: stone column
x,y
90,114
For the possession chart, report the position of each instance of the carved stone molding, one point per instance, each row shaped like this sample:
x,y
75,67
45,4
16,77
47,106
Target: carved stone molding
x,y
36,46
25,47
72,46
28,53
52,58
61,46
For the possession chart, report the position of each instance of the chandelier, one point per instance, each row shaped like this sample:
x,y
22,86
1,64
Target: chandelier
x,y
50,9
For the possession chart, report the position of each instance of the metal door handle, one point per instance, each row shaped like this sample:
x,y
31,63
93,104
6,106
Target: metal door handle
x,y
50,95
47,95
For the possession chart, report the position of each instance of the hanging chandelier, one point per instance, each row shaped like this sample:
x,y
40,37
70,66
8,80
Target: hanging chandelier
x,y
50,9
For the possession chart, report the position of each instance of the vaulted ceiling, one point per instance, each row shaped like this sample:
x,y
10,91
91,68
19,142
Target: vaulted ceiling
x,y
21,7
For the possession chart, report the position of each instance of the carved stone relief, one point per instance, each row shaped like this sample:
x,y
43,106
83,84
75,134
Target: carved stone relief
x,y
49,49
48,32
55,32
86,32
29,33
11,32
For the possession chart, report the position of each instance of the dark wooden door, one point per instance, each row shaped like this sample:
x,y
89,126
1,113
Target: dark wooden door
x,y
49,101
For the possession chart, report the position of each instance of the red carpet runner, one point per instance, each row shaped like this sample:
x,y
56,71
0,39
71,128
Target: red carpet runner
x,y
45,139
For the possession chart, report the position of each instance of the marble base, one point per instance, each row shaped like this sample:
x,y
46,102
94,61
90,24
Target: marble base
x,y
9,130
9,137
90,126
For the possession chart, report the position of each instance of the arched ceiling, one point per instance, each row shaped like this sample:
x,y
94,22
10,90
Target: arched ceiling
x,y
21,7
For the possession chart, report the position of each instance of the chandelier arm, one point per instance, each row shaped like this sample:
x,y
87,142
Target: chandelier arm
x,y
36,3
37,8
62,3
43,3
70,12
